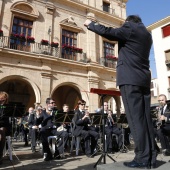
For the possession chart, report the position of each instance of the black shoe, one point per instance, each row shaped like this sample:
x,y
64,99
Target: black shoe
x,y
94,152
33,149
110,151
153,166
134,164
48,157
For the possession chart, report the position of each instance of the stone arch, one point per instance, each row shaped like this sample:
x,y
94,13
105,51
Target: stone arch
x,y
31,83
70,89
25,8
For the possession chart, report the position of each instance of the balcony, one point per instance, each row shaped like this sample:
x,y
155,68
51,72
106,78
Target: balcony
x,y
38,48
108,62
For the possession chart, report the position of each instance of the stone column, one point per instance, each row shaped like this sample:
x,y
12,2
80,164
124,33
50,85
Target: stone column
x,y
45,86
93,82
49,21
91,40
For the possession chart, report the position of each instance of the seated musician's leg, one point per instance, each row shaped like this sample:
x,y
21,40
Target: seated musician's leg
x,y
64,137
118,132
94,138
108,133
44,138
33,133
2,142
86,137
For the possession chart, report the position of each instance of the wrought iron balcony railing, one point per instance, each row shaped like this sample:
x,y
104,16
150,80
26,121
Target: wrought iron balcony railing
x,y
38,48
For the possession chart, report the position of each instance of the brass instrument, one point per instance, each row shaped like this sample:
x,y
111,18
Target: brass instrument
x,y
158,121
25,124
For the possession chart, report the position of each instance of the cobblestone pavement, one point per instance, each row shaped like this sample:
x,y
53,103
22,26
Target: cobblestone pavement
x,y
24,159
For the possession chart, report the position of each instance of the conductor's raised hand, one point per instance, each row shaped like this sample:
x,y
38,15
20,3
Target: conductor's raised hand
x,y
87,22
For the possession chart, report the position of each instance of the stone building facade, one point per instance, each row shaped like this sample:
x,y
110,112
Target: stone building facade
x,y
45,51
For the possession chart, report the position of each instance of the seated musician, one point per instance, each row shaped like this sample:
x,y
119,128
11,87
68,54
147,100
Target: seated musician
x,y
163,129
34,130
46,119
111,128
66,110
4,123
24,125
83,128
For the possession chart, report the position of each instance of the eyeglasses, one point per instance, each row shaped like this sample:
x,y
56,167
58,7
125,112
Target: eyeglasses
x,y
52,103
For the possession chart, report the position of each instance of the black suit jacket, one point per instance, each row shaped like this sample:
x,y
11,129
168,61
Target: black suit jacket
x,y
32,120
79,123
167,115
134,43
45,120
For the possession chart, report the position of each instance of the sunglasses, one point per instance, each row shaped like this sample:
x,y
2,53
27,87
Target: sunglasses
x,y
52,103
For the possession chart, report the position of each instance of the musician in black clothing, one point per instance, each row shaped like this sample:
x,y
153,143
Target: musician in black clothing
x,y
163,130
33,129
111,128
24,126
83,128
46,119
4,123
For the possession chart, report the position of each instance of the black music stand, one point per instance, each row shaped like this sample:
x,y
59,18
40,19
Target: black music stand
x,y
103,93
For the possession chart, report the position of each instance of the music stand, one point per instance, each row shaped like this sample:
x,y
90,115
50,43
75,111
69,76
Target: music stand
x,y
103,93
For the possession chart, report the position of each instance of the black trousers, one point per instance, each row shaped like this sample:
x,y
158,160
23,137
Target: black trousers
x,y
113,130
34,135
88,134
44,133
136,101
163,134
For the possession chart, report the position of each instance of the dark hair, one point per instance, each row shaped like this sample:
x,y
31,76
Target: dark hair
x,y
81,102
48,100
134,18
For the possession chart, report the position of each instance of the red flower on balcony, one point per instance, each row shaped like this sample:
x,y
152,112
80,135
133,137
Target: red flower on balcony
x,y
72,48
44,42
14,35
53,44
111,57
29,38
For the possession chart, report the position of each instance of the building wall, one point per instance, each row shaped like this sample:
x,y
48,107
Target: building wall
x,y
46,73
160,46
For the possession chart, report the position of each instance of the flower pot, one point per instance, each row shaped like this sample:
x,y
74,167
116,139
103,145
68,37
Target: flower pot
x,y
54,45
44,43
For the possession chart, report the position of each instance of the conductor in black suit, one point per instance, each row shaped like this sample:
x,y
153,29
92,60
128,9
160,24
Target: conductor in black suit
x,y
133,79
83,128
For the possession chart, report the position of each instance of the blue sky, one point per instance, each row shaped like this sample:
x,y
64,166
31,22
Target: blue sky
x,y
150,11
